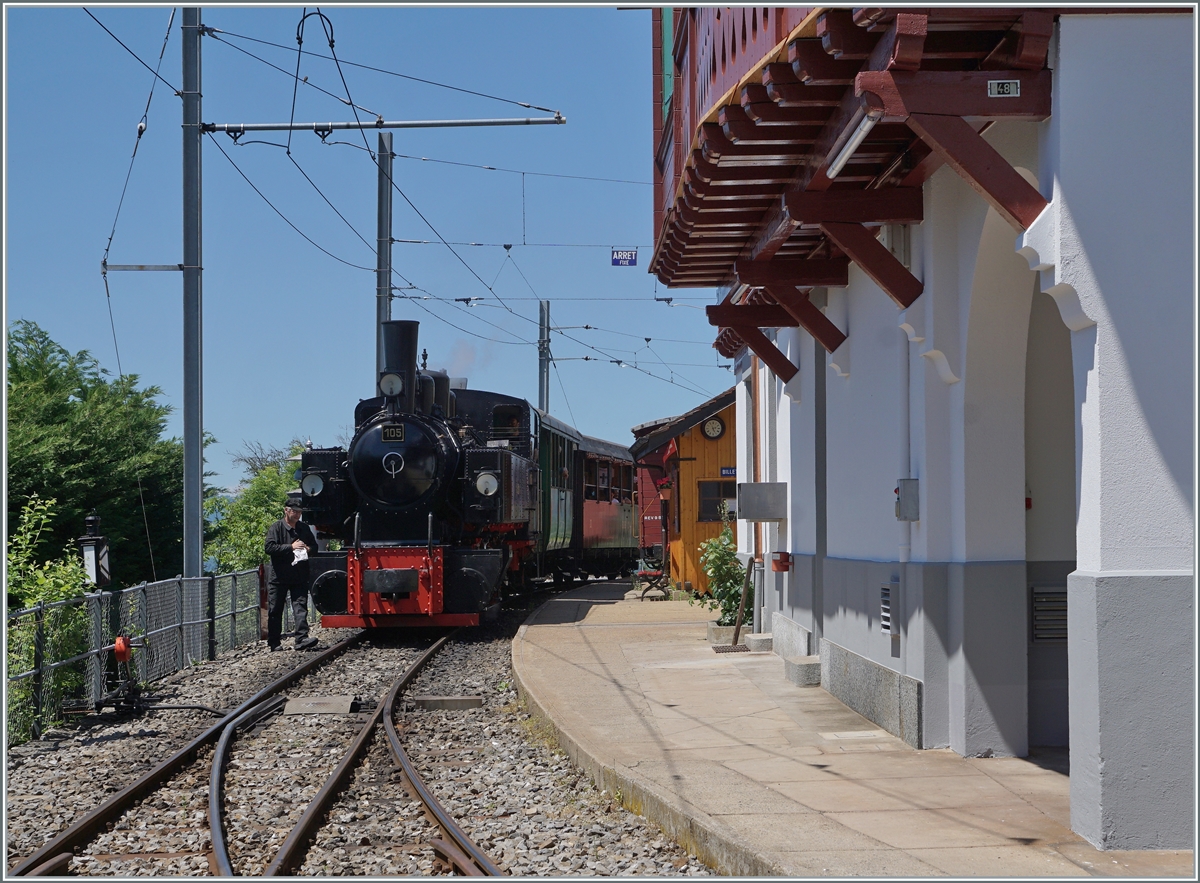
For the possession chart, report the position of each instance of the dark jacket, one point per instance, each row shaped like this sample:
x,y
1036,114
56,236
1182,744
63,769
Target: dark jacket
x,y
279,546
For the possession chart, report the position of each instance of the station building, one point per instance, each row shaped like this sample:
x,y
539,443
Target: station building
x,y
688,464
954,254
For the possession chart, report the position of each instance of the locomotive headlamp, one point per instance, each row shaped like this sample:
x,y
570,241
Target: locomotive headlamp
x,y
312,485
391,384
487,484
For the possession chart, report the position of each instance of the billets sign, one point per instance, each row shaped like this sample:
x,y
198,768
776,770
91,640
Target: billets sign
x,y
624,257
729,472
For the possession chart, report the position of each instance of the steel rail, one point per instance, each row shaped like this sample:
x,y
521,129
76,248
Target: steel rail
x,y
53,867
459,838
93,824
291,854
216,781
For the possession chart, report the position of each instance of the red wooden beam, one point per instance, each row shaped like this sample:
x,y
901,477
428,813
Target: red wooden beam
x,y
897,205
981,166
954,93
897,42
767,351
812,65
1025,46
864,249
741,129
737,315
842,38
793,272
810,318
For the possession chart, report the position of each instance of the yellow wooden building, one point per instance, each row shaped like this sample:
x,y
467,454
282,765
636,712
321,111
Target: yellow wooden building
x,y
692,460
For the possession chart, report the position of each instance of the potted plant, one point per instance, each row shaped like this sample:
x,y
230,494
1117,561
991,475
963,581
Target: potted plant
x,y
719,561
663,486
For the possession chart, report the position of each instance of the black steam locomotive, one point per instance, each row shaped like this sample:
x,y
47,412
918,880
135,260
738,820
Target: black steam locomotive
x,y
448,499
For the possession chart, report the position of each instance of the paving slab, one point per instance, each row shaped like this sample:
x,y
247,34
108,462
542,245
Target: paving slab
x,y
760,777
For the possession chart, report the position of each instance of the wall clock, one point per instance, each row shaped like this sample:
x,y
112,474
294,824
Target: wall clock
x,y
713,428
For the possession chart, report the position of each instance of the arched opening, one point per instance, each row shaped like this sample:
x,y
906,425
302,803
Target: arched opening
x,y
1049,517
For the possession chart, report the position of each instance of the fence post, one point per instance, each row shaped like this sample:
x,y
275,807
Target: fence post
x,y
181,655
39,643
212,618
96,661
144,622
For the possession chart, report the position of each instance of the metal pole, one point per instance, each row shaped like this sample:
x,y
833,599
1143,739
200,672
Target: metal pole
x,y
193,409
323,129
383,252
544,355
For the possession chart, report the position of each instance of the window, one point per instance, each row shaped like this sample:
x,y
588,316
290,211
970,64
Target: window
x,y
589,479
712,495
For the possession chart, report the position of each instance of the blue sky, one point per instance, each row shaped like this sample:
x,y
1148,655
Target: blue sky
x,y
288,329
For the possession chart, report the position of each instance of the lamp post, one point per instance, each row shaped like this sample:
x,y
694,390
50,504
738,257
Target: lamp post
x,y
95,552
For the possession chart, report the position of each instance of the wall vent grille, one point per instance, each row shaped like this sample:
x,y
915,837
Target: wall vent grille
x,y
1049,609
885,608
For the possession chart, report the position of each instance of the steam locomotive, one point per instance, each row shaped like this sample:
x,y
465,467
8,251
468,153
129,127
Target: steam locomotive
x,y
449,499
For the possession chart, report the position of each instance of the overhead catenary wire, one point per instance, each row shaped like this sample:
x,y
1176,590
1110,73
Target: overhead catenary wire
x,y
284,217
143,124
380,70
441,238
131,52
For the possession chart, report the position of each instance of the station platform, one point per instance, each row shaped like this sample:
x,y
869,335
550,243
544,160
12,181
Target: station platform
x,y
759,777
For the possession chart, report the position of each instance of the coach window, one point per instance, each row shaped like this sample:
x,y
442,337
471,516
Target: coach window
x,y
589,480
603,475
712,495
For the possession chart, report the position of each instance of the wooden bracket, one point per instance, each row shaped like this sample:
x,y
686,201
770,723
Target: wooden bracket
x,y
981,166
767,351
793,272
810,318
860,244
749,316
896,205
955,93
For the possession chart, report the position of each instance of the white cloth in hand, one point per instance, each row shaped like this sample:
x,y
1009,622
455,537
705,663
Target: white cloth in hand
x,y
299,555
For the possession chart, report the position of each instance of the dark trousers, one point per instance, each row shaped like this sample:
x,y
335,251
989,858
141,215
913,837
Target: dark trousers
x,y
277,594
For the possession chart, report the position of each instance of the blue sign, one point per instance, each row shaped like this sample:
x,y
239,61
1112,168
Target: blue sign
x,y
624,257
728,472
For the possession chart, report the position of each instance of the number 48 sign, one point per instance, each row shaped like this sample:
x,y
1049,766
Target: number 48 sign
x,y
624,257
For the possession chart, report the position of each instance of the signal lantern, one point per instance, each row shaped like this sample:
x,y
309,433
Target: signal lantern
x,y
122,648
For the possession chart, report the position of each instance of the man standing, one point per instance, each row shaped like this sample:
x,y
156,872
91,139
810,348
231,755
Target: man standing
x,y
289,543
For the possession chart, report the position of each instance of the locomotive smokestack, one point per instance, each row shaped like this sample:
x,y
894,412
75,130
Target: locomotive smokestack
x,y
400,356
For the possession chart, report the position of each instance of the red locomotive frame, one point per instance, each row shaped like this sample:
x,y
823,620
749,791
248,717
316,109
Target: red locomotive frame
x,y
421,607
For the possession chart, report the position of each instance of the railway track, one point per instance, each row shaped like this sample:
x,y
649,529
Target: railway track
x,y
238,837
324,794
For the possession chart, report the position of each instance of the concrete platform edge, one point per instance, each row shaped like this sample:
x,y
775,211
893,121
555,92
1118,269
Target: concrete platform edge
x,y
697,832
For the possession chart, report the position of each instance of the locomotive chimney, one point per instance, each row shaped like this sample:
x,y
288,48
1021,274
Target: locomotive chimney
x,y
400,356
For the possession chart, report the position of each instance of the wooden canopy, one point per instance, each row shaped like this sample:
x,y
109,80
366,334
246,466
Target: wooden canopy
x,y
756,210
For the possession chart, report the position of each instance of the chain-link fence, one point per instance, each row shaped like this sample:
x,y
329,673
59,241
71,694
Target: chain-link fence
x,y
60,655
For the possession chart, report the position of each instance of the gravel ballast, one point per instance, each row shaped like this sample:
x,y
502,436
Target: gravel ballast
x,y
511,790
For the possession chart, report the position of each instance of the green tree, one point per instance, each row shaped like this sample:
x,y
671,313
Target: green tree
x,y
237,523
726,575
92,442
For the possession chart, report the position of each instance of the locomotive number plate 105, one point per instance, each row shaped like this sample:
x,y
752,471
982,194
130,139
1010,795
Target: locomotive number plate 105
x,y
393,432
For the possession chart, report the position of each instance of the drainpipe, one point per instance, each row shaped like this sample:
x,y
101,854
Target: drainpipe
x,y
898,604
758,550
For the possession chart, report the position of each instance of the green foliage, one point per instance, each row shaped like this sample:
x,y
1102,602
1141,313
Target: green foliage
x,y
80,437
237,524
64,629
726,575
